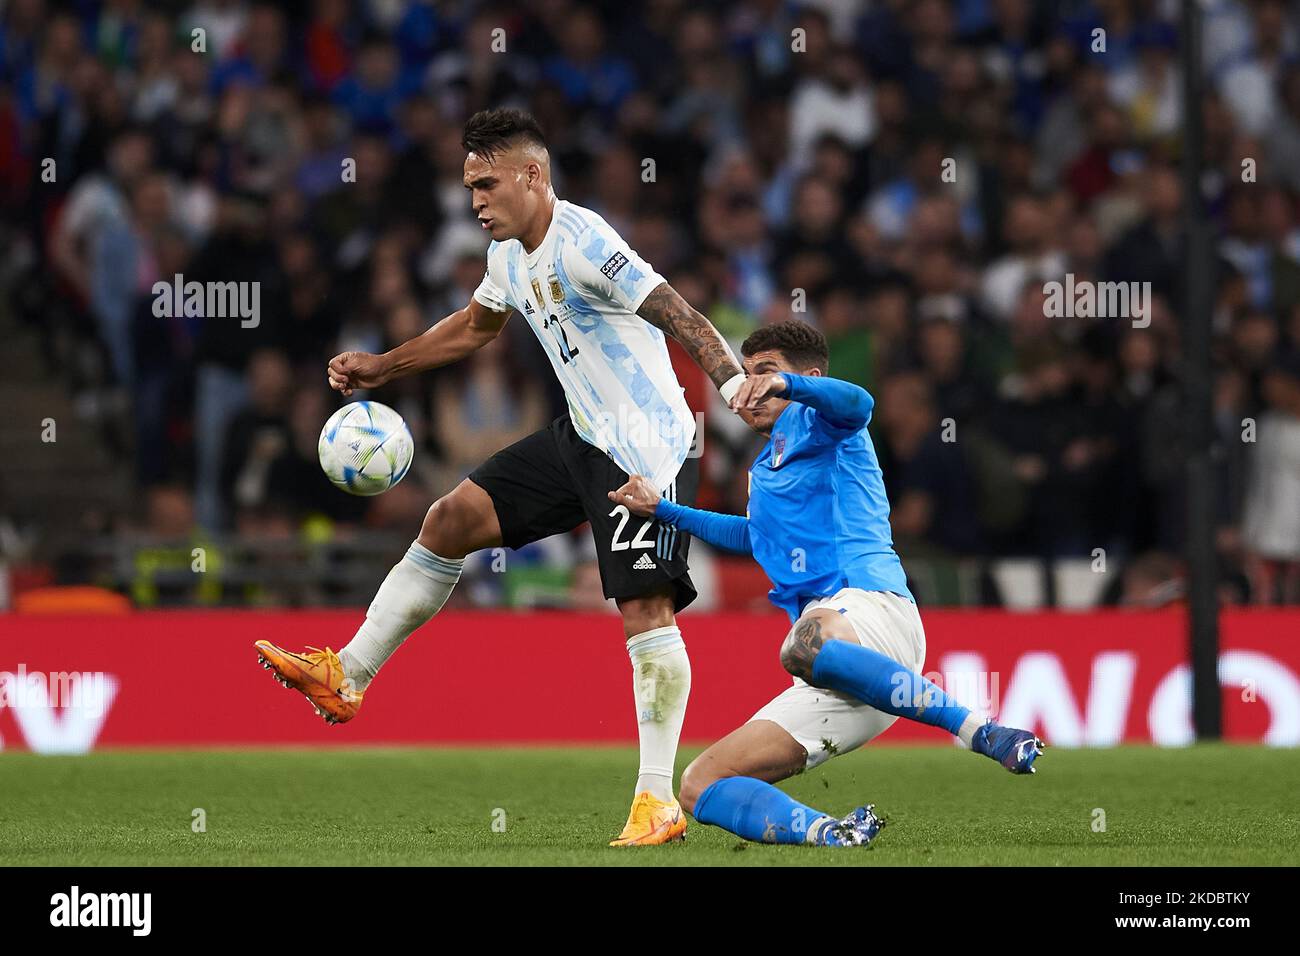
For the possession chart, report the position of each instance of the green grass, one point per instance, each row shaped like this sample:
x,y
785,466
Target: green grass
x,y
1204,805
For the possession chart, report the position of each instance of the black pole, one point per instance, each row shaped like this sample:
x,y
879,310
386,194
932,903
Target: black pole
x,y
1198,383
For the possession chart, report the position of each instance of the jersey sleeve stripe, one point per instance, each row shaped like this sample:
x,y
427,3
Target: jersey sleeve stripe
x,y
574,227
577,218
569,228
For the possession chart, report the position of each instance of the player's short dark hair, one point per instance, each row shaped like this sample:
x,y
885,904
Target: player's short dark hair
x,y
489,132
801,344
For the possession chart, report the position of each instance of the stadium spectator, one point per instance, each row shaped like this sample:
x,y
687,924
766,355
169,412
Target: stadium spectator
x,y
314,149
1271,528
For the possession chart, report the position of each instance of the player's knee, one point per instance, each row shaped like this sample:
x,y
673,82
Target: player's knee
x,y
797,657
804,642
643,614
696,778
446,527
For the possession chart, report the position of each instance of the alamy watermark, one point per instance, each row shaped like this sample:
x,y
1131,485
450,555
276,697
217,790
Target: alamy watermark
x,y
632,427
211,300
1084,299
978,690
133,911
79,690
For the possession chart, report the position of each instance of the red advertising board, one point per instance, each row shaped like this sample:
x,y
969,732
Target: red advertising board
x,y
70,683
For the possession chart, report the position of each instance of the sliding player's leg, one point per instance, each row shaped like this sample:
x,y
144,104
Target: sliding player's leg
x,y
871,646
521,494
730,786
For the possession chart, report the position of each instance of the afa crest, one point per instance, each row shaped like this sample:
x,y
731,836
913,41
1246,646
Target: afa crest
x,y
557,293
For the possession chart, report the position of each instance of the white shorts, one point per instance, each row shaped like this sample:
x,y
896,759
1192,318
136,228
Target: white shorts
x,y
826,722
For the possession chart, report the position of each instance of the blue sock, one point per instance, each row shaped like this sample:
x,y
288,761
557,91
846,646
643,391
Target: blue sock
x,y
885,684
757,811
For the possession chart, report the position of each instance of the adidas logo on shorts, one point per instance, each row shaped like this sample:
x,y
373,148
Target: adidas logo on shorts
x,y
644,563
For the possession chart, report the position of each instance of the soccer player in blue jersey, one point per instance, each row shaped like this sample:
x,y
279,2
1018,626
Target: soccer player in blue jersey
x,y
818,523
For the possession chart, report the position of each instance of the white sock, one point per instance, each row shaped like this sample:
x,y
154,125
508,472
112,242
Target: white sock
x,y
972,723
415,590
661,683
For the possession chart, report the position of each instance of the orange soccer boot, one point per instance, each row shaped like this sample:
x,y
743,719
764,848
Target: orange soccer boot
x,y
651,822
316,675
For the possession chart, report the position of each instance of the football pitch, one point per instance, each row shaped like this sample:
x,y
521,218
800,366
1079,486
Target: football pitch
x,y
1217,804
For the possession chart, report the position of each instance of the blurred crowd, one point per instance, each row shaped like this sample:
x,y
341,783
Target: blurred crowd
x,y
905,174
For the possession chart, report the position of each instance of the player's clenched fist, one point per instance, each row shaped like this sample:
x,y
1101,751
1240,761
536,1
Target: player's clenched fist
x,y
349,370
757,389
638,496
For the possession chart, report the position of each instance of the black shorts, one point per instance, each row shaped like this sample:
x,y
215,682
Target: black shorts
x,y
552,481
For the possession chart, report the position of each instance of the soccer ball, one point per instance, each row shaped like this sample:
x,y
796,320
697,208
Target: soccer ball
x,y
365,448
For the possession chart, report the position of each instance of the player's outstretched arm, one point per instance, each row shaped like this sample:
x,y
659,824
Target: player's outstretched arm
x,y
670,313
728,532
840,404
463,332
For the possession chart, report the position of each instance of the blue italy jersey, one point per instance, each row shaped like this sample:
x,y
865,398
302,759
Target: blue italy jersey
x,y
818,517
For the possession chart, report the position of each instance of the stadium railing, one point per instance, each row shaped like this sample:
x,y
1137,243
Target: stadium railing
x,y
326,569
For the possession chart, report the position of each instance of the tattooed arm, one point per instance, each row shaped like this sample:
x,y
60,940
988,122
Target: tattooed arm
x,y
672,315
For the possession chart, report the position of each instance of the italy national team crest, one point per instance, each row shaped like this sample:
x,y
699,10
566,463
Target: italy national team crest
x,y
778,450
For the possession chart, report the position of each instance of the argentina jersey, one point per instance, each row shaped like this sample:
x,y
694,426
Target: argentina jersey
x,y
579,291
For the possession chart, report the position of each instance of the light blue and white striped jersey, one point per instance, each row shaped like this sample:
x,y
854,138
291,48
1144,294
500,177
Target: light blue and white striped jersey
x,y
579,291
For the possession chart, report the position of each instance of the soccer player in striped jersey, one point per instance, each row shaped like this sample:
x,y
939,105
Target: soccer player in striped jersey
x,y
818,523
601,314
